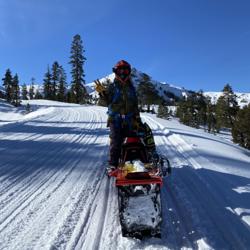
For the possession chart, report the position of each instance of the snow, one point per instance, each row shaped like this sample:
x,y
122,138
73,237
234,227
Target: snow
x,y
141,211
243,99
162,88
2,89
244,189
137,77
139,166
9,114
54,193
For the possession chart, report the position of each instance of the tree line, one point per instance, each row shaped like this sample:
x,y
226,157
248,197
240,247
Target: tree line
x,y
196,110
54,82
193,110
11,85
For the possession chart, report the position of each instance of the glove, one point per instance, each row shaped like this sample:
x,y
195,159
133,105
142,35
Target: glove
x,y
99,87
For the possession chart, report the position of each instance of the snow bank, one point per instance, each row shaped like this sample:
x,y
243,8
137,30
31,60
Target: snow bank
x,y
10,114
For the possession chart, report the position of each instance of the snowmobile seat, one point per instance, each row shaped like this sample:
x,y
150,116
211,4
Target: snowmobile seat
x,y
132,149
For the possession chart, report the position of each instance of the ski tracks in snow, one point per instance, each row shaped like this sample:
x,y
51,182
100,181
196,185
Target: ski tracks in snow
x,y
45,195
194,202
54,193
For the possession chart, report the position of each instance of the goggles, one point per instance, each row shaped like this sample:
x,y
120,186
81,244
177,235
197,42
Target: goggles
x,y
122,70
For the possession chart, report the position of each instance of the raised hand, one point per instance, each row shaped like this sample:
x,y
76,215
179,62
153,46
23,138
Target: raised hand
x,y
99,87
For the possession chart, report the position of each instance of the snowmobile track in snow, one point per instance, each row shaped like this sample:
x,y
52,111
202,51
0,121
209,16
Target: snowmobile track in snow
x,y
195,202
54,193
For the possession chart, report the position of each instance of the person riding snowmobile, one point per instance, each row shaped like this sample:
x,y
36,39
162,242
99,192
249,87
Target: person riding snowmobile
x,y
123,112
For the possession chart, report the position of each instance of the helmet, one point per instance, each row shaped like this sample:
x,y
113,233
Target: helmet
x,y
122,70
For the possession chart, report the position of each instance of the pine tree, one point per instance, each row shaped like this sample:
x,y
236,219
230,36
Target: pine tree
x,y
69,97
241,128
7,83
163,111
79,93
192,110
211,120
47,85
146,92
226,108
16,91
24,92
221,116
61,96
55,79
187,110
38,95
201,109
32,89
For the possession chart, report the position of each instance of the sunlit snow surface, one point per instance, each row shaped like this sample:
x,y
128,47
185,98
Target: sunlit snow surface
x,y
54,193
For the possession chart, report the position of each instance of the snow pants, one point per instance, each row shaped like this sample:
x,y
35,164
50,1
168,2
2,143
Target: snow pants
x,y
117,135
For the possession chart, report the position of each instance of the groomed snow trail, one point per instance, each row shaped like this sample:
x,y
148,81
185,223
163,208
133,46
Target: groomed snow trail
x,y
54,193
198,199
51,176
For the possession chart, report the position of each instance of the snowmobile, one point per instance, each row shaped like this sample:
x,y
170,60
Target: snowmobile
x,y
139,178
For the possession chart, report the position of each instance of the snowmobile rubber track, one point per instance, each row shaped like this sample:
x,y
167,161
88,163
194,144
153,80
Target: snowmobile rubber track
x,y
137,230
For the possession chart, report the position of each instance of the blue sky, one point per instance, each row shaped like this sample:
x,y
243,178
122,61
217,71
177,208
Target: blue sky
x,y
196,44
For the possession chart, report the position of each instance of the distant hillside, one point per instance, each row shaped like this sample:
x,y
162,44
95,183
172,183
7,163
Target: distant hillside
x,y
164,89
242,98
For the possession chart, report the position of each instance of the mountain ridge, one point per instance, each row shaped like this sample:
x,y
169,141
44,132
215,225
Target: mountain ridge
x,y
164,89
180,92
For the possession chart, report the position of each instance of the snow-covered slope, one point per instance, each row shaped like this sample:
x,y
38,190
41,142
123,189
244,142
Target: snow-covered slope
x,y
54,193
11,114
242,98
137,76
37,87
165,89
162,87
